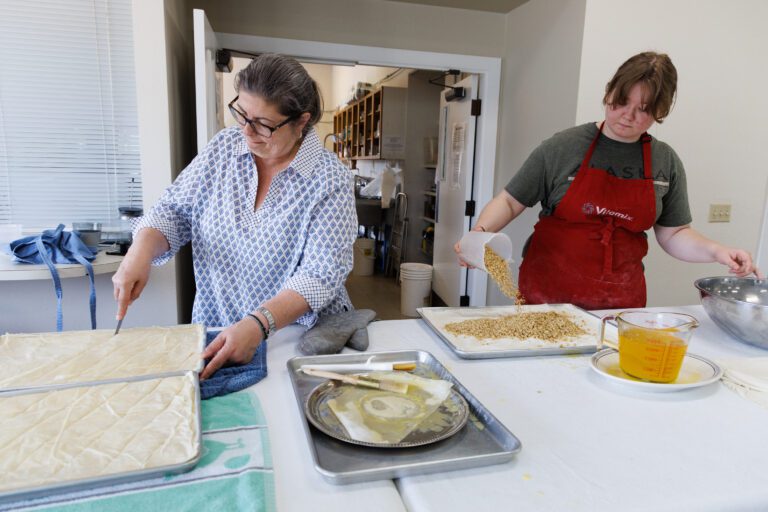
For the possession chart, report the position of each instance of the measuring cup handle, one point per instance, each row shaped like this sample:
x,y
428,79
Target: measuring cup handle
x,y
601,340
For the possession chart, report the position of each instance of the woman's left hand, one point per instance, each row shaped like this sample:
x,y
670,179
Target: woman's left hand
x,y
739,261
235,345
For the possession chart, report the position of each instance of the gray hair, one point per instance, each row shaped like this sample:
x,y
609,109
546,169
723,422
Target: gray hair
x,y
284,83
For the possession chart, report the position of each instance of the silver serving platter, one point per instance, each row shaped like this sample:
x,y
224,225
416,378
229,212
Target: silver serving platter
x,y
483,440
454,408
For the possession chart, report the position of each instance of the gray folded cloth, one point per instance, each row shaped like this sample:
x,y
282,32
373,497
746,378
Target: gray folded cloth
x,y
332,332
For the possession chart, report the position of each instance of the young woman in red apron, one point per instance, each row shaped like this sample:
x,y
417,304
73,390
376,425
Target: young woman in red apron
x,y
589,251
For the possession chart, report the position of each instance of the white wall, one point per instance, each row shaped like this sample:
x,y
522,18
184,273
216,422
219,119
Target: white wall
x,y
362,22
718,124
539,84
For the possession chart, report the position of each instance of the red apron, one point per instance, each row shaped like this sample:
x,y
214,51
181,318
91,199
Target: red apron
x,y
589,252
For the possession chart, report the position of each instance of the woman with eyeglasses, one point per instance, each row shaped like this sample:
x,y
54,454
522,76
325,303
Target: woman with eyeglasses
x,y
270,215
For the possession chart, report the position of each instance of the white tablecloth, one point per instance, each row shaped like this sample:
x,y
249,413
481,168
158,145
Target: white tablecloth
x,y
590,445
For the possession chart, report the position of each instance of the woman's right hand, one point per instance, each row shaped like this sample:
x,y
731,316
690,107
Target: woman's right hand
x,y
129,280
234,345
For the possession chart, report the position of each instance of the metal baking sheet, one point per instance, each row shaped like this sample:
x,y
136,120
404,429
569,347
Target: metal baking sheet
x,y
483,441
470,348
27,493
117,356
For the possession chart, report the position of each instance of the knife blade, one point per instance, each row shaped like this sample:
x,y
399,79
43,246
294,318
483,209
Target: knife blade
x,y
119,324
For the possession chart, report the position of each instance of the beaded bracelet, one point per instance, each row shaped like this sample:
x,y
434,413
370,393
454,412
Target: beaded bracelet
x,y
264,332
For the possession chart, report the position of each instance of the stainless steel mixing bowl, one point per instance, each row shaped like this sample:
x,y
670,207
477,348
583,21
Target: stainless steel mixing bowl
x,y
738,305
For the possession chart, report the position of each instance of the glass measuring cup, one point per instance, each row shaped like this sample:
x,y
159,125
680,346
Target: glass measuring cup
x,y
652,346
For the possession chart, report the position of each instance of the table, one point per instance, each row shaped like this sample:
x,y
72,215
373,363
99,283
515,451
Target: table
x,y
14,271
589,445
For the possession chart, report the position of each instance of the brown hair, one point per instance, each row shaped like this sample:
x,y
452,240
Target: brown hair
x,y
655,72
283,82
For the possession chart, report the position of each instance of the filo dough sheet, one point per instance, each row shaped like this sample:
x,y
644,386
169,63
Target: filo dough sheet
x,y
65,435
52,358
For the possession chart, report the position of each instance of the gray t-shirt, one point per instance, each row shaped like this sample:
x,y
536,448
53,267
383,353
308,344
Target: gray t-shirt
x,y
549,170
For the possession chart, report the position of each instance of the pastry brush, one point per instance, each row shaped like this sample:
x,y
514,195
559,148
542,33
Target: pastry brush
x,y
352,367
360,380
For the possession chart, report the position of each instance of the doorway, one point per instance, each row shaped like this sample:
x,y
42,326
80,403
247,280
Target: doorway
x,y
487,69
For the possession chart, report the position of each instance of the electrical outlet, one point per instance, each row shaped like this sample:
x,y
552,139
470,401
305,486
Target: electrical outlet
x,y
720,213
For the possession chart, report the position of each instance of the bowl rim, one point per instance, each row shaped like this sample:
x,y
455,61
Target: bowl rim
x,y
729,299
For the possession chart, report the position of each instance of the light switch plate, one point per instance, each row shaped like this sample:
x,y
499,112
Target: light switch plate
x,y
719,213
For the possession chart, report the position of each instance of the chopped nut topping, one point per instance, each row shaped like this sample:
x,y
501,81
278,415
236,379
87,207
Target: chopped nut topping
x,y
499,271
550,326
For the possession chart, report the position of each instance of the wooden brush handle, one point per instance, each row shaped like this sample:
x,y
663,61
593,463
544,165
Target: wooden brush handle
x,y
349,379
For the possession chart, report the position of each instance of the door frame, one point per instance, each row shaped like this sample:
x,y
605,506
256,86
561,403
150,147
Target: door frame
x,y
488,69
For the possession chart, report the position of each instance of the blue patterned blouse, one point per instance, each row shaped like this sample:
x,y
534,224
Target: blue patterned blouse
x,y
299,239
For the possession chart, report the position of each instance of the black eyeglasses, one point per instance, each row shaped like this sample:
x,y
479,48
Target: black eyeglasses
x,y
257,126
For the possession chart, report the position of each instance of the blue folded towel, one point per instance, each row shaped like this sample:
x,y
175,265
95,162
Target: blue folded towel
x,y
234,378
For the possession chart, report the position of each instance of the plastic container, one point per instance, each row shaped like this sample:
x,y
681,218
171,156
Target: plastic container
x,y
415,287
472,247
365,256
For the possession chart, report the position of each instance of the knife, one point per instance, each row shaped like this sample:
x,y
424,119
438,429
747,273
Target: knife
x,y
119,323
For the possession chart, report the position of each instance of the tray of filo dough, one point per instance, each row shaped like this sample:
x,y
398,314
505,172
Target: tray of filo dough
x,y
87,408
59,358
514,331
77,437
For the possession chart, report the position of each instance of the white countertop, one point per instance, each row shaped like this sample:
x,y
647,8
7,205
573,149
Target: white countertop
x,y
588,445
591,445
14,271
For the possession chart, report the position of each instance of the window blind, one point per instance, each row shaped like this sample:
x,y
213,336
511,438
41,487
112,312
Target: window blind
x,y
69,147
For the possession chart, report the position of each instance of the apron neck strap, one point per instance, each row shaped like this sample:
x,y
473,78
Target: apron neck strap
x,y
591,150
647,164
645,139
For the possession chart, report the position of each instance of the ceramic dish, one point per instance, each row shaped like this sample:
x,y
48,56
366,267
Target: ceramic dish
x,y
695,372
454,411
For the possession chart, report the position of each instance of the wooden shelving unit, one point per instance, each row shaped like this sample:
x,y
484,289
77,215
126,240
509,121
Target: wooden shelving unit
x,y
373,127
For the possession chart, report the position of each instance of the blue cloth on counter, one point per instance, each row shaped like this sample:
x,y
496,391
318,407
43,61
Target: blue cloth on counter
x,y
234,378
54,246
